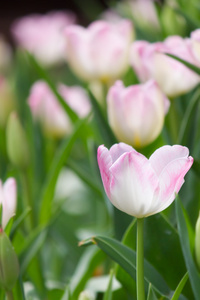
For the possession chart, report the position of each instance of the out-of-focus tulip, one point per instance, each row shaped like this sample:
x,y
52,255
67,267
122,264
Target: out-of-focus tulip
x,y
5,54
139,186
17,144
86,295
42,35
144,13
7,101
149,61
101,51
9,265
195,41
48,111
136,113
8,200
197,242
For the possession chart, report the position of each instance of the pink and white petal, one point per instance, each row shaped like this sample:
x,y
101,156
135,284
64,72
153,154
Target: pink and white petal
x,y
105,162
171,180
10,200
133,184
165,155
118,149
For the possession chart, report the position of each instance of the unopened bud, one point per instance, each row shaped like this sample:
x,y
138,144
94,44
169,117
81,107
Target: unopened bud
x,y
9,266
17,145
86,295
197,242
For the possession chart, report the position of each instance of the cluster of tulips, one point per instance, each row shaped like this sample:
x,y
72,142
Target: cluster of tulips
x,y
125,97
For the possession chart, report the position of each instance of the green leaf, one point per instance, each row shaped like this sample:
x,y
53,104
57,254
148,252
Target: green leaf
x,y
151,294
185,243
60,158
108,293
44,75
19,221
186,63
101,121
31,246
188,119
90,260
180,287
126,258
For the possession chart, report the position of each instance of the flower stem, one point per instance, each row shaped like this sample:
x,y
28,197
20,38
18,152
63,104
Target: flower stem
x,y
9,295
140,260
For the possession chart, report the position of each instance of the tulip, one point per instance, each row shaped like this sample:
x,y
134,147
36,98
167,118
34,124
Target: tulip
x,y
149,61
101,51
8,199
48,111
144,13
139,186
86,295
195,41
7,101
42,35
136,113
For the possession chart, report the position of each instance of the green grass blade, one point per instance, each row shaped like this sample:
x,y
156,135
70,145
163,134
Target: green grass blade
x,y
108,293
50,183
126,258
105,131
186,63
180,287
185,243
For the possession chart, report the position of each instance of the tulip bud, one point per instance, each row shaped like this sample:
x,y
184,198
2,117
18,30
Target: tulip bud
x,y
197,242
136,113
101,51
17,145
86,295
9,266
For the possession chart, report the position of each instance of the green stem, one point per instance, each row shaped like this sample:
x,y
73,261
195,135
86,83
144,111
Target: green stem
x,y
27,200
140,260
9,295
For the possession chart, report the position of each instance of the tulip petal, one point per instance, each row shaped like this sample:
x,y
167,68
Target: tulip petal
x,y
133,184
105,161
171,180
9,201
165,155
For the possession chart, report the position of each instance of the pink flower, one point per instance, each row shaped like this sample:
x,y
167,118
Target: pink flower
x,y
195,42
42,35
136,113
139,186
48,111
100,51
8,199
172,76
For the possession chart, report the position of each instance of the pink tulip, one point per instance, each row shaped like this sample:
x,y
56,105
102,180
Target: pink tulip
x,y
139,186
172,76
136,113
195,41
100,51
8,199
48,111
42,35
